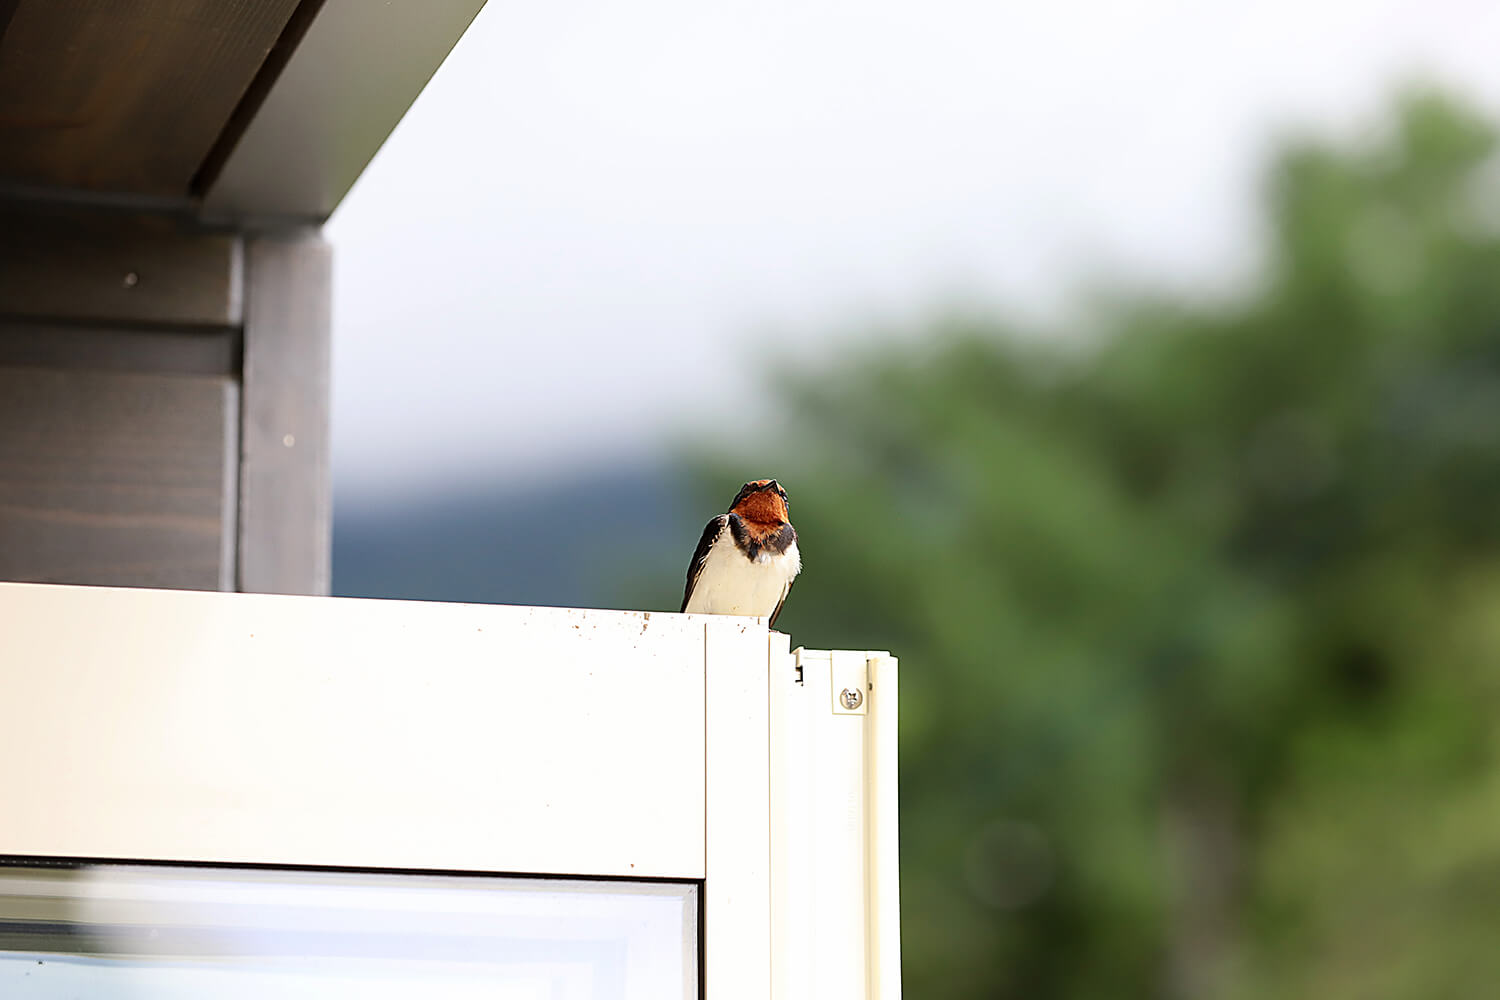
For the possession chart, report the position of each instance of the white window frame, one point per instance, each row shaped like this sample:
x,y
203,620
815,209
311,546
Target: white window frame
x,y
198,727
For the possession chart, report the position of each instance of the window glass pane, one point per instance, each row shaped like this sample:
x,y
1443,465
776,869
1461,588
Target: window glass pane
x,y
172,933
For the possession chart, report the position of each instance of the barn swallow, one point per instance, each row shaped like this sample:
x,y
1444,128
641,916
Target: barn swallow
x,y
747,559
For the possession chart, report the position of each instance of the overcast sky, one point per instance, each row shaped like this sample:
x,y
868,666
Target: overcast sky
x,y
600,221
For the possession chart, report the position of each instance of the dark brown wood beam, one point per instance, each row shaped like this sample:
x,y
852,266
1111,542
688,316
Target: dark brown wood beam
x,y
163,405
125,96
117,478
285,534
82,265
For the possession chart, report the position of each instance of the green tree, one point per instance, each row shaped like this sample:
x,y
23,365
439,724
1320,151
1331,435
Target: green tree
x,y
1200,623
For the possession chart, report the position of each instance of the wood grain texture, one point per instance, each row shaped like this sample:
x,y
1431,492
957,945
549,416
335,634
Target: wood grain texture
x,y
126,95
95,265
116,478
99,348
285,538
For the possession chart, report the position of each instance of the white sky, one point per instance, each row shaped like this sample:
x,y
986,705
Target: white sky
x,y
603,223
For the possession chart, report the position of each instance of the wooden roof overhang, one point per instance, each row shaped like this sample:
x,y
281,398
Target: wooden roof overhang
x,y
234,111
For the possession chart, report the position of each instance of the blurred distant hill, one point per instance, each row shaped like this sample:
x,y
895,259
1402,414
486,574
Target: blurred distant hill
x,y
614,538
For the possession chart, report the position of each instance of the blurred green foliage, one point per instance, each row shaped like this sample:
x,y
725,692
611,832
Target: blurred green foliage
x,y
1199,615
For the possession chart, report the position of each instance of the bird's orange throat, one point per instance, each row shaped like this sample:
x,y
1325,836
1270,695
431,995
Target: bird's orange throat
x,y
764,508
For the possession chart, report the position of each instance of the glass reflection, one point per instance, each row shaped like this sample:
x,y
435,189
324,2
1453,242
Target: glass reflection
x,y
127,931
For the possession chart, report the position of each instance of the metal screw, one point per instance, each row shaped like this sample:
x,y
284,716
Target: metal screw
x,y
851,697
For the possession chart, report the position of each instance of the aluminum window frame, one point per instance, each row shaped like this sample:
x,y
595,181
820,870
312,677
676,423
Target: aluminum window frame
x,y
249,729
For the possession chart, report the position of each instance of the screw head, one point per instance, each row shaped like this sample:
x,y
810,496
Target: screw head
x,y
851,698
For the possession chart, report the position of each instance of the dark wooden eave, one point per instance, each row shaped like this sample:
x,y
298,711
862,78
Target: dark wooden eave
x,y
234,110
125,97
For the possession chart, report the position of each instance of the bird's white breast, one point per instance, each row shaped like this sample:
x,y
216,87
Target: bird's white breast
x,y
730,584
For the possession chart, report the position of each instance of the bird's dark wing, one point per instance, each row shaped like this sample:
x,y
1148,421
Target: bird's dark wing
x,y
711,533
779,605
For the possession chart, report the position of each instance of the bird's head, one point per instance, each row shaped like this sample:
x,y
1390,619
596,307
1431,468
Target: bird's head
x,y
762,501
